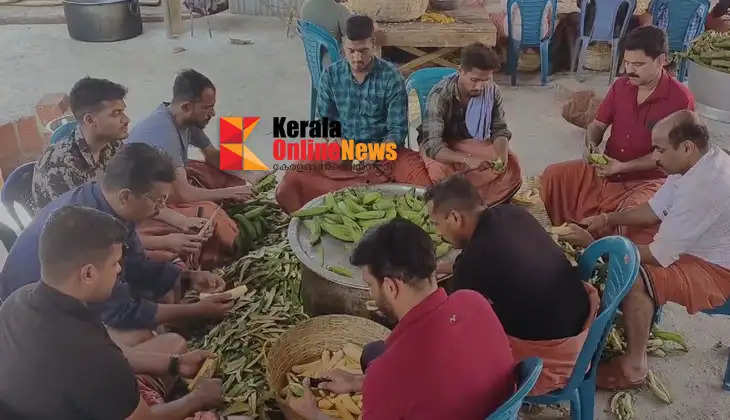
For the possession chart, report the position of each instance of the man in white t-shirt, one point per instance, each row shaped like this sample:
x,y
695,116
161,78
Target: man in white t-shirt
x,y
689,260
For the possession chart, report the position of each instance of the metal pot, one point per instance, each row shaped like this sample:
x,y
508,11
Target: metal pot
x,y
711,89
102,20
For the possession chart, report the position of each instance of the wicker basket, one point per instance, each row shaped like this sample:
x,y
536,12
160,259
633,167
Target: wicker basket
x,y
306,342
390,10
528,62
598,57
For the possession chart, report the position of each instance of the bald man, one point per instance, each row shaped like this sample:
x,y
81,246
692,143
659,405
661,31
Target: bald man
x,y
688,262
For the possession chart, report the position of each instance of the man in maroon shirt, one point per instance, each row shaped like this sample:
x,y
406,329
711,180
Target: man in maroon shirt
x,y
648,93
448,357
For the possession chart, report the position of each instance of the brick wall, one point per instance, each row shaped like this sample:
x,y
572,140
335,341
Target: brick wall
x,y
24,139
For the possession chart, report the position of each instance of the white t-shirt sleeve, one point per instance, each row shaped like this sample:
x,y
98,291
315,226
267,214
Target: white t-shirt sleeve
x,y
684,221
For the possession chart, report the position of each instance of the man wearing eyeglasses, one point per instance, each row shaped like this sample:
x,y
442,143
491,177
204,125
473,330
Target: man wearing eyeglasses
x,y
629,176
134,188
100,128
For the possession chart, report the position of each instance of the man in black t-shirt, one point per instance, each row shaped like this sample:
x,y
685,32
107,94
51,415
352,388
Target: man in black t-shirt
x,y
57,359
509,257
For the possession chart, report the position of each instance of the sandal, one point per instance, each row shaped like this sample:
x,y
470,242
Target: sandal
x,y
610,377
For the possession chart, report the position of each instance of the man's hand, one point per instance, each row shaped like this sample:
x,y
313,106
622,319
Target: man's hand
x,y
183,243
578,236
192,224
305,406
445,267
612,168
191,362
501,147
240,193
205,281
596,224
341,382
208,394
473,162
216,306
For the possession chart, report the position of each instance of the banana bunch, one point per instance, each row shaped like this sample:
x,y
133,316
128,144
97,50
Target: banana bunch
x,y
346,215
342,406
434,17
622,405
260,220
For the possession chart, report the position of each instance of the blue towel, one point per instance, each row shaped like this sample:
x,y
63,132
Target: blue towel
x,y
479,114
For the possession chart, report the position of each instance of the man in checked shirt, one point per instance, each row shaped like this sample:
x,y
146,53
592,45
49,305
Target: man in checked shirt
x,y
367,95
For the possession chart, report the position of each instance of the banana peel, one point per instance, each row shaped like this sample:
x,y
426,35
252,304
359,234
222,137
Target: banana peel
x,y
658,388
622,405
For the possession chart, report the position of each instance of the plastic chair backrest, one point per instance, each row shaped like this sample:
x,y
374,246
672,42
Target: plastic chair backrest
x,y
316,41
7,236
681,13
623,267
604,20
63,132
423,80
17,189
531,14
528,371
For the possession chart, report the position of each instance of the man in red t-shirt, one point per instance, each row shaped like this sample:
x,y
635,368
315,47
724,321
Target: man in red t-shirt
x,y
448,357
578,189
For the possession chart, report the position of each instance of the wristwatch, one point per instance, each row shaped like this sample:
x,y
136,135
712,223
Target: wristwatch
x,y
174,367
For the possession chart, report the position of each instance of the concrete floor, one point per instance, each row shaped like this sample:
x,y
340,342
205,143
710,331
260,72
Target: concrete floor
x,y
270,79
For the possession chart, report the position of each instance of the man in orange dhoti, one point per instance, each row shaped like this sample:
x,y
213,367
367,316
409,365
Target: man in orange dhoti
x,y
508,257
688,262
198,185
464,129
577,189
367,96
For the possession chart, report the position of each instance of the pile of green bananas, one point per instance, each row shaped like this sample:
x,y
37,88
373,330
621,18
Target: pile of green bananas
x,y
260,220
711,49
346,215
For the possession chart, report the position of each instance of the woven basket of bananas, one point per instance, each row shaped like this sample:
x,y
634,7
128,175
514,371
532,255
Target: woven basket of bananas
x,y
315,346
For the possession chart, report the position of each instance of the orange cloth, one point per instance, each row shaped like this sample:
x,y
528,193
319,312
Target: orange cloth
x,y
493,187
691,282
300,185
219,249
559,355
573,190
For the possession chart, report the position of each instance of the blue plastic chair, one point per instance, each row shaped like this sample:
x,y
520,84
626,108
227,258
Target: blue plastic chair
x,y
685,22
528,371
316,42
17,189
720,310
603,30
531,12
63,132
7,236
423,80
623,267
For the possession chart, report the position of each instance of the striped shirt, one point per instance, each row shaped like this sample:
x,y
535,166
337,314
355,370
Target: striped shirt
x,y
372,111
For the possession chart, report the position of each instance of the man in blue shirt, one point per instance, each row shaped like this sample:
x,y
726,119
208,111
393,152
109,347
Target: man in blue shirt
x,y
368,97
134,188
